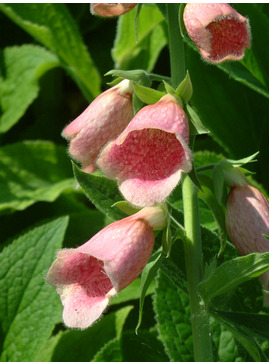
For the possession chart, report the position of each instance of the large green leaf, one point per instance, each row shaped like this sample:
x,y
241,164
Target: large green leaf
x,y
21,69
29,308
128,53
110,352
236,116
171,305
52,25
33,171
102,192
256,324
232,273
142,347
76,346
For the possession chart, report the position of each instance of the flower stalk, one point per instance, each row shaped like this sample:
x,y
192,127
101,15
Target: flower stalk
x,y
192,244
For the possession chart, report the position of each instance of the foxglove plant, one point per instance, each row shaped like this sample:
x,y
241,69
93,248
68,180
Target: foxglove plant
x,y
87,277
220,32
103,120
149,156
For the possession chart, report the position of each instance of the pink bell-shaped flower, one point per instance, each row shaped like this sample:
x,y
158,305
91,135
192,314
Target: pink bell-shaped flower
x,y
110,10
247,218
149,156
103,120
88,276
220,32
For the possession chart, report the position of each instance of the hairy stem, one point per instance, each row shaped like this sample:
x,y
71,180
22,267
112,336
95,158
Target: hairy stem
x,y
192,244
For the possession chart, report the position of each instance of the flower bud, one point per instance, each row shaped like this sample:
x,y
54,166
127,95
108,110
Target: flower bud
x,y
109,10
103,120
247,219
88,276
220,33
149,156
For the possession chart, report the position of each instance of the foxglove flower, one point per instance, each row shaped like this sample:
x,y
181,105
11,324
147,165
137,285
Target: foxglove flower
x,y
247,218
109,10
149,156
88,276
103,120
218,31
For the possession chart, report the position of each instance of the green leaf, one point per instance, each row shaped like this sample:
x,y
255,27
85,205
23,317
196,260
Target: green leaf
x,y
257,324
142,347
226,346
110,352
22,67
243,337
207,194
171,306
29,308
102,192
78,346
228,110
53,26
148,95
130,54
148,274
199,128
33,171
232,273
218,182
182,27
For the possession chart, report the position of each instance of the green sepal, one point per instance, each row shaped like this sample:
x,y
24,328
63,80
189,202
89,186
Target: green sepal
x,y
185,89
196,126
182,27
169,88
167,238
241,162
266,236
115,82
147,94
141,77
125,207
148,274
233,273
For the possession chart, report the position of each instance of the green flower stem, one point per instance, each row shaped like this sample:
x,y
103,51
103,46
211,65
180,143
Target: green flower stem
x,y
194,266
176,45
192,242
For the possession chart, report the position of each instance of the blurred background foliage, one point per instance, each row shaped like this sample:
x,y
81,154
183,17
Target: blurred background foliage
x,y
53,58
